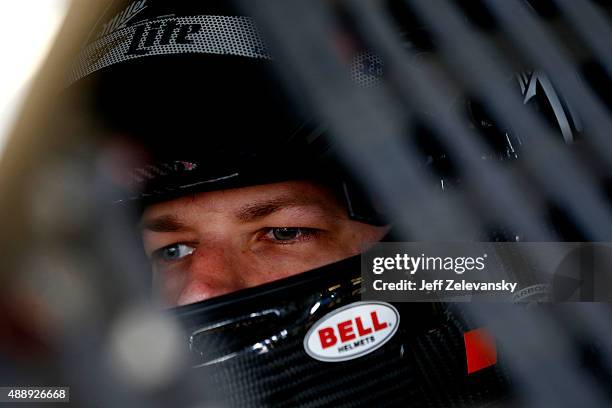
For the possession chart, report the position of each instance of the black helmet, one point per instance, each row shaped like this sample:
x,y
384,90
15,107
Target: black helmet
x,y
191,82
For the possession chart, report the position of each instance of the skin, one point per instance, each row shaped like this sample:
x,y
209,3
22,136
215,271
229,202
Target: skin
x,y
213,243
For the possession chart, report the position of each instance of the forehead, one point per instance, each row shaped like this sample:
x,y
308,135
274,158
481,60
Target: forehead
x,y
285,194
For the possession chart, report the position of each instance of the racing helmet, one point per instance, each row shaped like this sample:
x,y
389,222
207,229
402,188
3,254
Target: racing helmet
x,y
190,84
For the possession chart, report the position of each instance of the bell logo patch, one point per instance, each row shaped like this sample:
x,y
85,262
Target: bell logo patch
x,y
352,331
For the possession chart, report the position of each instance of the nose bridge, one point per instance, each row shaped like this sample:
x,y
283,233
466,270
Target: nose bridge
x,y
214,270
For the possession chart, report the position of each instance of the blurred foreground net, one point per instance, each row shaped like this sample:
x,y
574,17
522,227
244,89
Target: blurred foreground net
x,y
464,74
472,120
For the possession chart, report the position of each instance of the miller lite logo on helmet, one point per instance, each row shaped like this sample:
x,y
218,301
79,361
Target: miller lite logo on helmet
x,y
352,331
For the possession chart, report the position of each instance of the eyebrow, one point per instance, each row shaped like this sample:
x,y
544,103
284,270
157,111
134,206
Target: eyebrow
x,y
247,213
258,210
164,223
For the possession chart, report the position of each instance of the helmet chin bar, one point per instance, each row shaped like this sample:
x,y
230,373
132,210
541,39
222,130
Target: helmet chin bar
x,y
251,341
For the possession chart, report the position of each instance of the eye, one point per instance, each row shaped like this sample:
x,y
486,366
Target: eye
x,y
289,234
173,252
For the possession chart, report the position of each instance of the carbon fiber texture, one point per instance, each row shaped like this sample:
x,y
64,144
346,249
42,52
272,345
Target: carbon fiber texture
x,y
426,371
259,360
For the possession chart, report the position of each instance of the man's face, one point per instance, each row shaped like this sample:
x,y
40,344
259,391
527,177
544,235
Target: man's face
x,y
213,243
